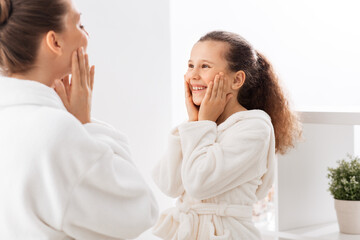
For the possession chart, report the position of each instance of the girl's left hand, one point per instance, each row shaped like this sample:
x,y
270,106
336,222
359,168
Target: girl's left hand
x,y
192,110
215,100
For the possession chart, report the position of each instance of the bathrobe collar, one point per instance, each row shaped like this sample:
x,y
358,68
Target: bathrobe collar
x,y
26,92
238,116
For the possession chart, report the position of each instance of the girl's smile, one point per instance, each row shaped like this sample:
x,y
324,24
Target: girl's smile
x,y
197,88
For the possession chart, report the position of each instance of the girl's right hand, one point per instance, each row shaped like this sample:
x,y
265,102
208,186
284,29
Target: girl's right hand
x,y
77,95
192,109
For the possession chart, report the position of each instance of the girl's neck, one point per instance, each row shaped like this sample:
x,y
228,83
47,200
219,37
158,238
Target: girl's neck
x,y
232,107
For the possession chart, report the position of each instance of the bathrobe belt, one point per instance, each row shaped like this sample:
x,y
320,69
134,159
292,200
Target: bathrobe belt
x,y
183,221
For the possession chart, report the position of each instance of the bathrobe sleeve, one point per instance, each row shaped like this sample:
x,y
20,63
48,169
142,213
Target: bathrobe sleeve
x,y
211,166
167,172
104,195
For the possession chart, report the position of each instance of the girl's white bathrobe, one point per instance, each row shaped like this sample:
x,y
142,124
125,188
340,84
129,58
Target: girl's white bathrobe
x,y
218,173
60,179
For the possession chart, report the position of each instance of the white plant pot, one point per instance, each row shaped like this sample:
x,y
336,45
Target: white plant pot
x,y
348,215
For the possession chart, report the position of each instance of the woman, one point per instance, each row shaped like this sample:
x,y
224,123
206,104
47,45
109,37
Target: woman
x,y
62,175
220,162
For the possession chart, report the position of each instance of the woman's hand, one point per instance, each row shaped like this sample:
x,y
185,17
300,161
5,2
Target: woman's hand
x,y
215,100
77,95
192,109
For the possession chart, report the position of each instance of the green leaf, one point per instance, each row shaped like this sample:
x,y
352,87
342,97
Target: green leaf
x,y
344,181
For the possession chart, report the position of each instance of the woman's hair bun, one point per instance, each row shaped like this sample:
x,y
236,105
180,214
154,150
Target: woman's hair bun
x,y
5,10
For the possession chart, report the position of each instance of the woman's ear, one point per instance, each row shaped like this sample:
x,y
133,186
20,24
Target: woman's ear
x,y
239,80
53,43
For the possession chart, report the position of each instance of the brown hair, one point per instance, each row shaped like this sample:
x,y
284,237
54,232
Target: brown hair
x,y
261,89
22,22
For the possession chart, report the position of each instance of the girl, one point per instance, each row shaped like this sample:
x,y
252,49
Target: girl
x,y
220,162
62,175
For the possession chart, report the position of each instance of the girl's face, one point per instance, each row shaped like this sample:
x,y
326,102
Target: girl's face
x,y
74,35
207,59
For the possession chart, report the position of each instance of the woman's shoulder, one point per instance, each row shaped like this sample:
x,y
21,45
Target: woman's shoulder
x,y
56,125
57,118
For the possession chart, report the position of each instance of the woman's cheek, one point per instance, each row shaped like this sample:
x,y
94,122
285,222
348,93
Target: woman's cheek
x,y
83,41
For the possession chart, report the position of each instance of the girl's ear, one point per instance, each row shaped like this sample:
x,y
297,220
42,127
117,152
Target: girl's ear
x,y
239,80
53,43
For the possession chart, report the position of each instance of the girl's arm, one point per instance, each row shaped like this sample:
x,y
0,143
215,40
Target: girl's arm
x,y
211,167
167,172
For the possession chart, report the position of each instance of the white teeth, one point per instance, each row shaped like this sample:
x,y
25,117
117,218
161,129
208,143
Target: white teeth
x,y
198,88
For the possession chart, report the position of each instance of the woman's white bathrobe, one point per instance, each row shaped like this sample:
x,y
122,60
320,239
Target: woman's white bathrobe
x,y
60,179
218,173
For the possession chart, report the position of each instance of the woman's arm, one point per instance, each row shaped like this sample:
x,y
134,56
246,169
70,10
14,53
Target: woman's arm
x,y
110,198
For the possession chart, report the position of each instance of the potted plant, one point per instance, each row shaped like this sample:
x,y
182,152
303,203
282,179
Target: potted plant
x,y
344,185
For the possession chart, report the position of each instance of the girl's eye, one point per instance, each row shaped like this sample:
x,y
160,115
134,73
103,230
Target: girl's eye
x,y
82,26
205,66
191,66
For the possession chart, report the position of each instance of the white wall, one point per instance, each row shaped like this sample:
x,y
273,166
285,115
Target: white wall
x,y
130,46
303,196
314,45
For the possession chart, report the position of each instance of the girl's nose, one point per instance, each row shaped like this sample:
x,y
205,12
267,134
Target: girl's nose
x,y
194,74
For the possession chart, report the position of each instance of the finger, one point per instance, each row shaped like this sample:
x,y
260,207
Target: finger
x,y
216,86
82,67
60,90
87,70
92,77
187,81
186,88
225,86
228,84
208,91
66,82
220,91
75,72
